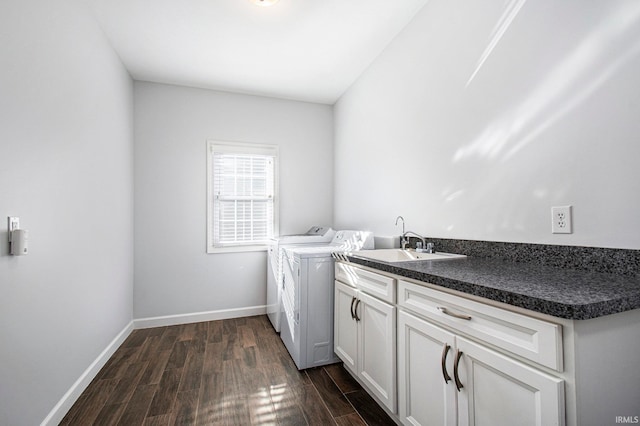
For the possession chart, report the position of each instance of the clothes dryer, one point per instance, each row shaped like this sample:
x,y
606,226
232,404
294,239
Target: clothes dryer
x,y
316,235
307,298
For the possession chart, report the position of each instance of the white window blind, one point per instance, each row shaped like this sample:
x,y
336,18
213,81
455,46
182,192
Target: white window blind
x,y
242,196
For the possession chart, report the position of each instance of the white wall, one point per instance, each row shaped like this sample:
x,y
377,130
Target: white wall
x,y
173,273
482,115
66,156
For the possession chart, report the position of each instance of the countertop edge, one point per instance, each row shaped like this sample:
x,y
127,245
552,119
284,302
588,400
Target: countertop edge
x,y
544,306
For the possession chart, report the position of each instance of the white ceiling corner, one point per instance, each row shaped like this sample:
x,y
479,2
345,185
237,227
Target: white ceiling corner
x,y
309,50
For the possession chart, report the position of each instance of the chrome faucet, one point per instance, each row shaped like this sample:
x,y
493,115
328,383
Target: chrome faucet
x,y
402,219
405,240
422,246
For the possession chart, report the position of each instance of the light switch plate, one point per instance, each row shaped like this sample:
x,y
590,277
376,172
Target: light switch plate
x,y
12,223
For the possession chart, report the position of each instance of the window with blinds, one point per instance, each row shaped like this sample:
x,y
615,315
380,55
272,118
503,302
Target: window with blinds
x,y
242,182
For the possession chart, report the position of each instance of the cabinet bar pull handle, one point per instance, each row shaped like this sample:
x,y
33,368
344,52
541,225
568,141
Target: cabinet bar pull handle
x,y
453,314
353,300
445,351
455,370
355,311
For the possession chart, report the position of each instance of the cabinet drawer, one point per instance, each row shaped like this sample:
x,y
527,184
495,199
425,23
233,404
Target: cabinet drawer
x,y
536,340
380,286
345,273
377,285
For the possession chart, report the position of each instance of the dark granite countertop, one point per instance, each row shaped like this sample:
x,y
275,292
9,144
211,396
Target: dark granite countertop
x,y
563,293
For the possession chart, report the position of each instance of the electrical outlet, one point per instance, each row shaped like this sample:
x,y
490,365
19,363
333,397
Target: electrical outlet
x,y
561,220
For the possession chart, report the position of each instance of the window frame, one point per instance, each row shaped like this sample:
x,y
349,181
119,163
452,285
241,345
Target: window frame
x,y
239,148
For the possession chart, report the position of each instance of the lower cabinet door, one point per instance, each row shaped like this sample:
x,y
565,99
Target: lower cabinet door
x,y
377,350
345,327
426,392
499,391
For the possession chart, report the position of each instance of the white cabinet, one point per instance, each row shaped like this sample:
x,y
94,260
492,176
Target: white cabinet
x,y
497,390
513,366
445,378
365,335
345,333
426,394
376,347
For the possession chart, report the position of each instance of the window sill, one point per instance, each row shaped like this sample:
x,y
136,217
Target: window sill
x,y
236,249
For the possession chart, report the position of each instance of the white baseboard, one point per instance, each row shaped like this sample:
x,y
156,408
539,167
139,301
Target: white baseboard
x,y
62,407
199,317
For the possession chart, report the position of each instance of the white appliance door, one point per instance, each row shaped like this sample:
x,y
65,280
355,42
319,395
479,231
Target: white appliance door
x,y
316,311
290,332
274,285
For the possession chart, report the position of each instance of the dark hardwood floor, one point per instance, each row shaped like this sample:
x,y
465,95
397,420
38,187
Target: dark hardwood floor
x,y
228,372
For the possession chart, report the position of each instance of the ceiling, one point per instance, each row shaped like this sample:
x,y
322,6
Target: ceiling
x,y
310,50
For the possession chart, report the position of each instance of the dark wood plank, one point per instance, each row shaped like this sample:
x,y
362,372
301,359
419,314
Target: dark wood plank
x,y
229,326
211,400
352,419
155,368
178,354
342,378
135,339
122,393
236,410
234,383
294,376
188,331
247,337
117,365
202,331
256,387
249,357
110,414
155,331
314,409
369,409
192,369
261,409
169,337
162,420
185,408
214,332
167,389
258,325
136,410
230,345
335,400
269,349
212,358
150,348
90,403
235,397
285,403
